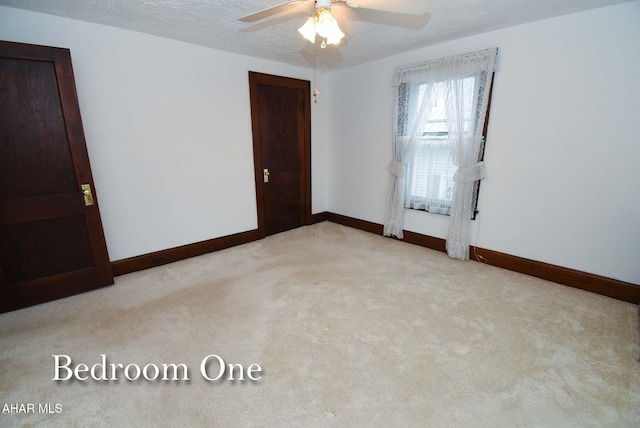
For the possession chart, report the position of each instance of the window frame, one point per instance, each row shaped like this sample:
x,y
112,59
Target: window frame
x,y
402,119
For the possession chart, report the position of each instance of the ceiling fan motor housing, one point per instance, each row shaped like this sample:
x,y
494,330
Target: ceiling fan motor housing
x,y
323,4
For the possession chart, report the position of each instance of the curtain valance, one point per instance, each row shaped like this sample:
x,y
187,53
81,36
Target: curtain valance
x,y
447,68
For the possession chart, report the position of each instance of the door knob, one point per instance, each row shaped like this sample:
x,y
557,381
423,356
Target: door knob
x,y
265,173
86,192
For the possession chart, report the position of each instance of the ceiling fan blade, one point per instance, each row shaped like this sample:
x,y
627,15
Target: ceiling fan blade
x,y
402,20
407,7
270,11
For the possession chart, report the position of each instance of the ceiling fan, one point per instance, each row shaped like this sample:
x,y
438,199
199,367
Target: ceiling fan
x,y
391,12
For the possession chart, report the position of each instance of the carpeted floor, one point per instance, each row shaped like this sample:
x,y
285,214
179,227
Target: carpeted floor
x,y
349,329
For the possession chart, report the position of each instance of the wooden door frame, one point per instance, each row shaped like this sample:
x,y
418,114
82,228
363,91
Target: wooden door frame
x,y
255,80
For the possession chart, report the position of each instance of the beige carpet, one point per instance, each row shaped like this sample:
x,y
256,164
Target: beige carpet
x,y
351,329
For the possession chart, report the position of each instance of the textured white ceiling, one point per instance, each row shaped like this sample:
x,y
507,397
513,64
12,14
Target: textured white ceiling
x,y
214,23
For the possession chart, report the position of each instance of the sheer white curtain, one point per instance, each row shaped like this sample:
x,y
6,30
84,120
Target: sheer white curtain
x,y
466,106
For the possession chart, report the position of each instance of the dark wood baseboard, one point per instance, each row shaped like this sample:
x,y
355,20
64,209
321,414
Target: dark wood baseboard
x,y
356,223
426,241
145,261
319,217
586,281
573,278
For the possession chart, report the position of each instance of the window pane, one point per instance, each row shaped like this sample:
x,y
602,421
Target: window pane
x,y
430,177
435,124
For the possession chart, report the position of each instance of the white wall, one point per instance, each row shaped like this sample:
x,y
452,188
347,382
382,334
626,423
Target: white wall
x,y
563,144
168,129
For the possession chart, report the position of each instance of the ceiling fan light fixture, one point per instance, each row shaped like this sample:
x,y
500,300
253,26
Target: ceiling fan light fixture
x,y
308,30
323,24
327,26
335,35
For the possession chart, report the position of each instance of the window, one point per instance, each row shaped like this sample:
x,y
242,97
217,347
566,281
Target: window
x,y
430,174
438,143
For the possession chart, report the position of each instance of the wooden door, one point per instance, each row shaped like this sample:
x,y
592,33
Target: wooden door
x,y
281,123
51,239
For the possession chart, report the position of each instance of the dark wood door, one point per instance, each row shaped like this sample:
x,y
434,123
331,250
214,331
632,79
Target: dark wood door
x,y
51,239
281,123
